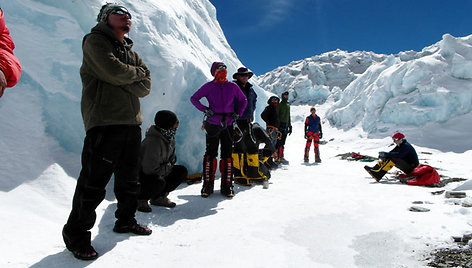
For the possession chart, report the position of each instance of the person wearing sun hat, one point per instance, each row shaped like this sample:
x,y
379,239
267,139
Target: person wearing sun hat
x,y
222,110
114,77
245,154
159,175
403,157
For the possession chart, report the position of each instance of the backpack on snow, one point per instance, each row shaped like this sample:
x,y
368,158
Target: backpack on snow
x,y
423,175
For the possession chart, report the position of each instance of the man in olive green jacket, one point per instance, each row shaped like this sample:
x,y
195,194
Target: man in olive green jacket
x,y
113,78
283,110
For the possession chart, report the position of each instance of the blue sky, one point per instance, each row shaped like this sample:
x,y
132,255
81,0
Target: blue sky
x,y
266,34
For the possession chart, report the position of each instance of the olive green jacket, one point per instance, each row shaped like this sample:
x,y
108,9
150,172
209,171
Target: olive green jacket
x,y
283,109
114,77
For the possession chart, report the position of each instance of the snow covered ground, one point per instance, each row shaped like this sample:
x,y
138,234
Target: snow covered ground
x,y
327,215
317,215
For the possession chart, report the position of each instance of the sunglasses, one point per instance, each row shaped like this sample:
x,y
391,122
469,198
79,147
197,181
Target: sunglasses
x,y
219,67
121,12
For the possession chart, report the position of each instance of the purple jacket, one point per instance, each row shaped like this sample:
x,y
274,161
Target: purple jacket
x,y
221,99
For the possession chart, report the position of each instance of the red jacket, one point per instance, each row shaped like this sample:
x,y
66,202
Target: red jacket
x,y
8,61
425,175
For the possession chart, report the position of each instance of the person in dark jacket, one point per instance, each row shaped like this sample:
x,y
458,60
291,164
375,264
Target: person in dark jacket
x,y
285,127
261,136
313,133
245,151
114,78
271,118
403,157
222,111
10,68
159,175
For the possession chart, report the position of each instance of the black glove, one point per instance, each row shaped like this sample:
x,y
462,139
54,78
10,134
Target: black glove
x,y
289,130
235,116
382,154
208,112
321,135
306,135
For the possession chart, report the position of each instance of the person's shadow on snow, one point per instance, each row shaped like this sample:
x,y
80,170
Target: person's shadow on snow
x,y
103,242
196,207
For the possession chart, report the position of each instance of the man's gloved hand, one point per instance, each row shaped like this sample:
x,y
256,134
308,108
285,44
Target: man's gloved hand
x,y
321,135
289,130
382,154
235,116
306,135
208,112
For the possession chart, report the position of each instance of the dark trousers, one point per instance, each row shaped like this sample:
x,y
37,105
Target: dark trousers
x,y
153,186
216,135
284,131
107,150
404,166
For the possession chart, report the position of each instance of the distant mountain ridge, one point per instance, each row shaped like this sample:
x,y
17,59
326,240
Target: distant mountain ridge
x,y
426,93
312,80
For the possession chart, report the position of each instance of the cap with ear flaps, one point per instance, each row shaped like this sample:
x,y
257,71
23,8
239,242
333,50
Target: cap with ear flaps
x,y
165,119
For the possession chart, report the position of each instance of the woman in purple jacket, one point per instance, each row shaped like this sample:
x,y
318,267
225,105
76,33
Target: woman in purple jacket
x,y
221,95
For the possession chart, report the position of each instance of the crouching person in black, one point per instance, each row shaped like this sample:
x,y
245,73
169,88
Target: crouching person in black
x,y
261,136
158,174
403,157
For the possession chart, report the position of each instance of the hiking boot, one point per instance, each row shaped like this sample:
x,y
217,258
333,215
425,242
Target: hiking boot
x,y
317,160
207,189
162,201
377,175
132,228
143,206
227,191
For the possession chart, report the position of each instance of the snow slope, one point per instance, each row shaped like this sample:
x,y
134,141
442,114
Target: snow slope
x,y
327,215
178,40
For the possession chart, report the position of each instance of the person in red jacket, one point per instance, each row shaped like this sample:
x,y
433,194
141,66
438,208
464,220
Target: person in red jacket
x,y
10,68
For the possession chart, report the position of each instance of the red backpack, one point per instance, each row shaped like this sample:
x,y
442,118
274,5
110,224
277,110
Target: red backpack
x,y
425,175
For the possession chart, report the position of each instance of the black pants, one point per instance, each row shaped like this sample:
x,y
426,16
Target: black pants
x,y
404,166
107,150
156,186
284,131
216,135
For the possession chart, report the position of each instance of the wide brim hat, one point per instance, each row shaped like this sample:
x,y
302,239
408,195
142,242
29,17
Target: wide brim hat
x,y
271,98
243,71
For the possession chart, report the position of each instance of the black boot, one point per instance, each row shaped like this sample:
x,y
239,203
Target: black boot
x,y
317,155
209,169
306,156
375,172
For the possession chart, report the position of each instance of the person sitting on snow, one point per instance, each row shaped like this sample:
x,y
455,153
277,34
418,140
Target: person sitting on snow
x,y
403,156
313,132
